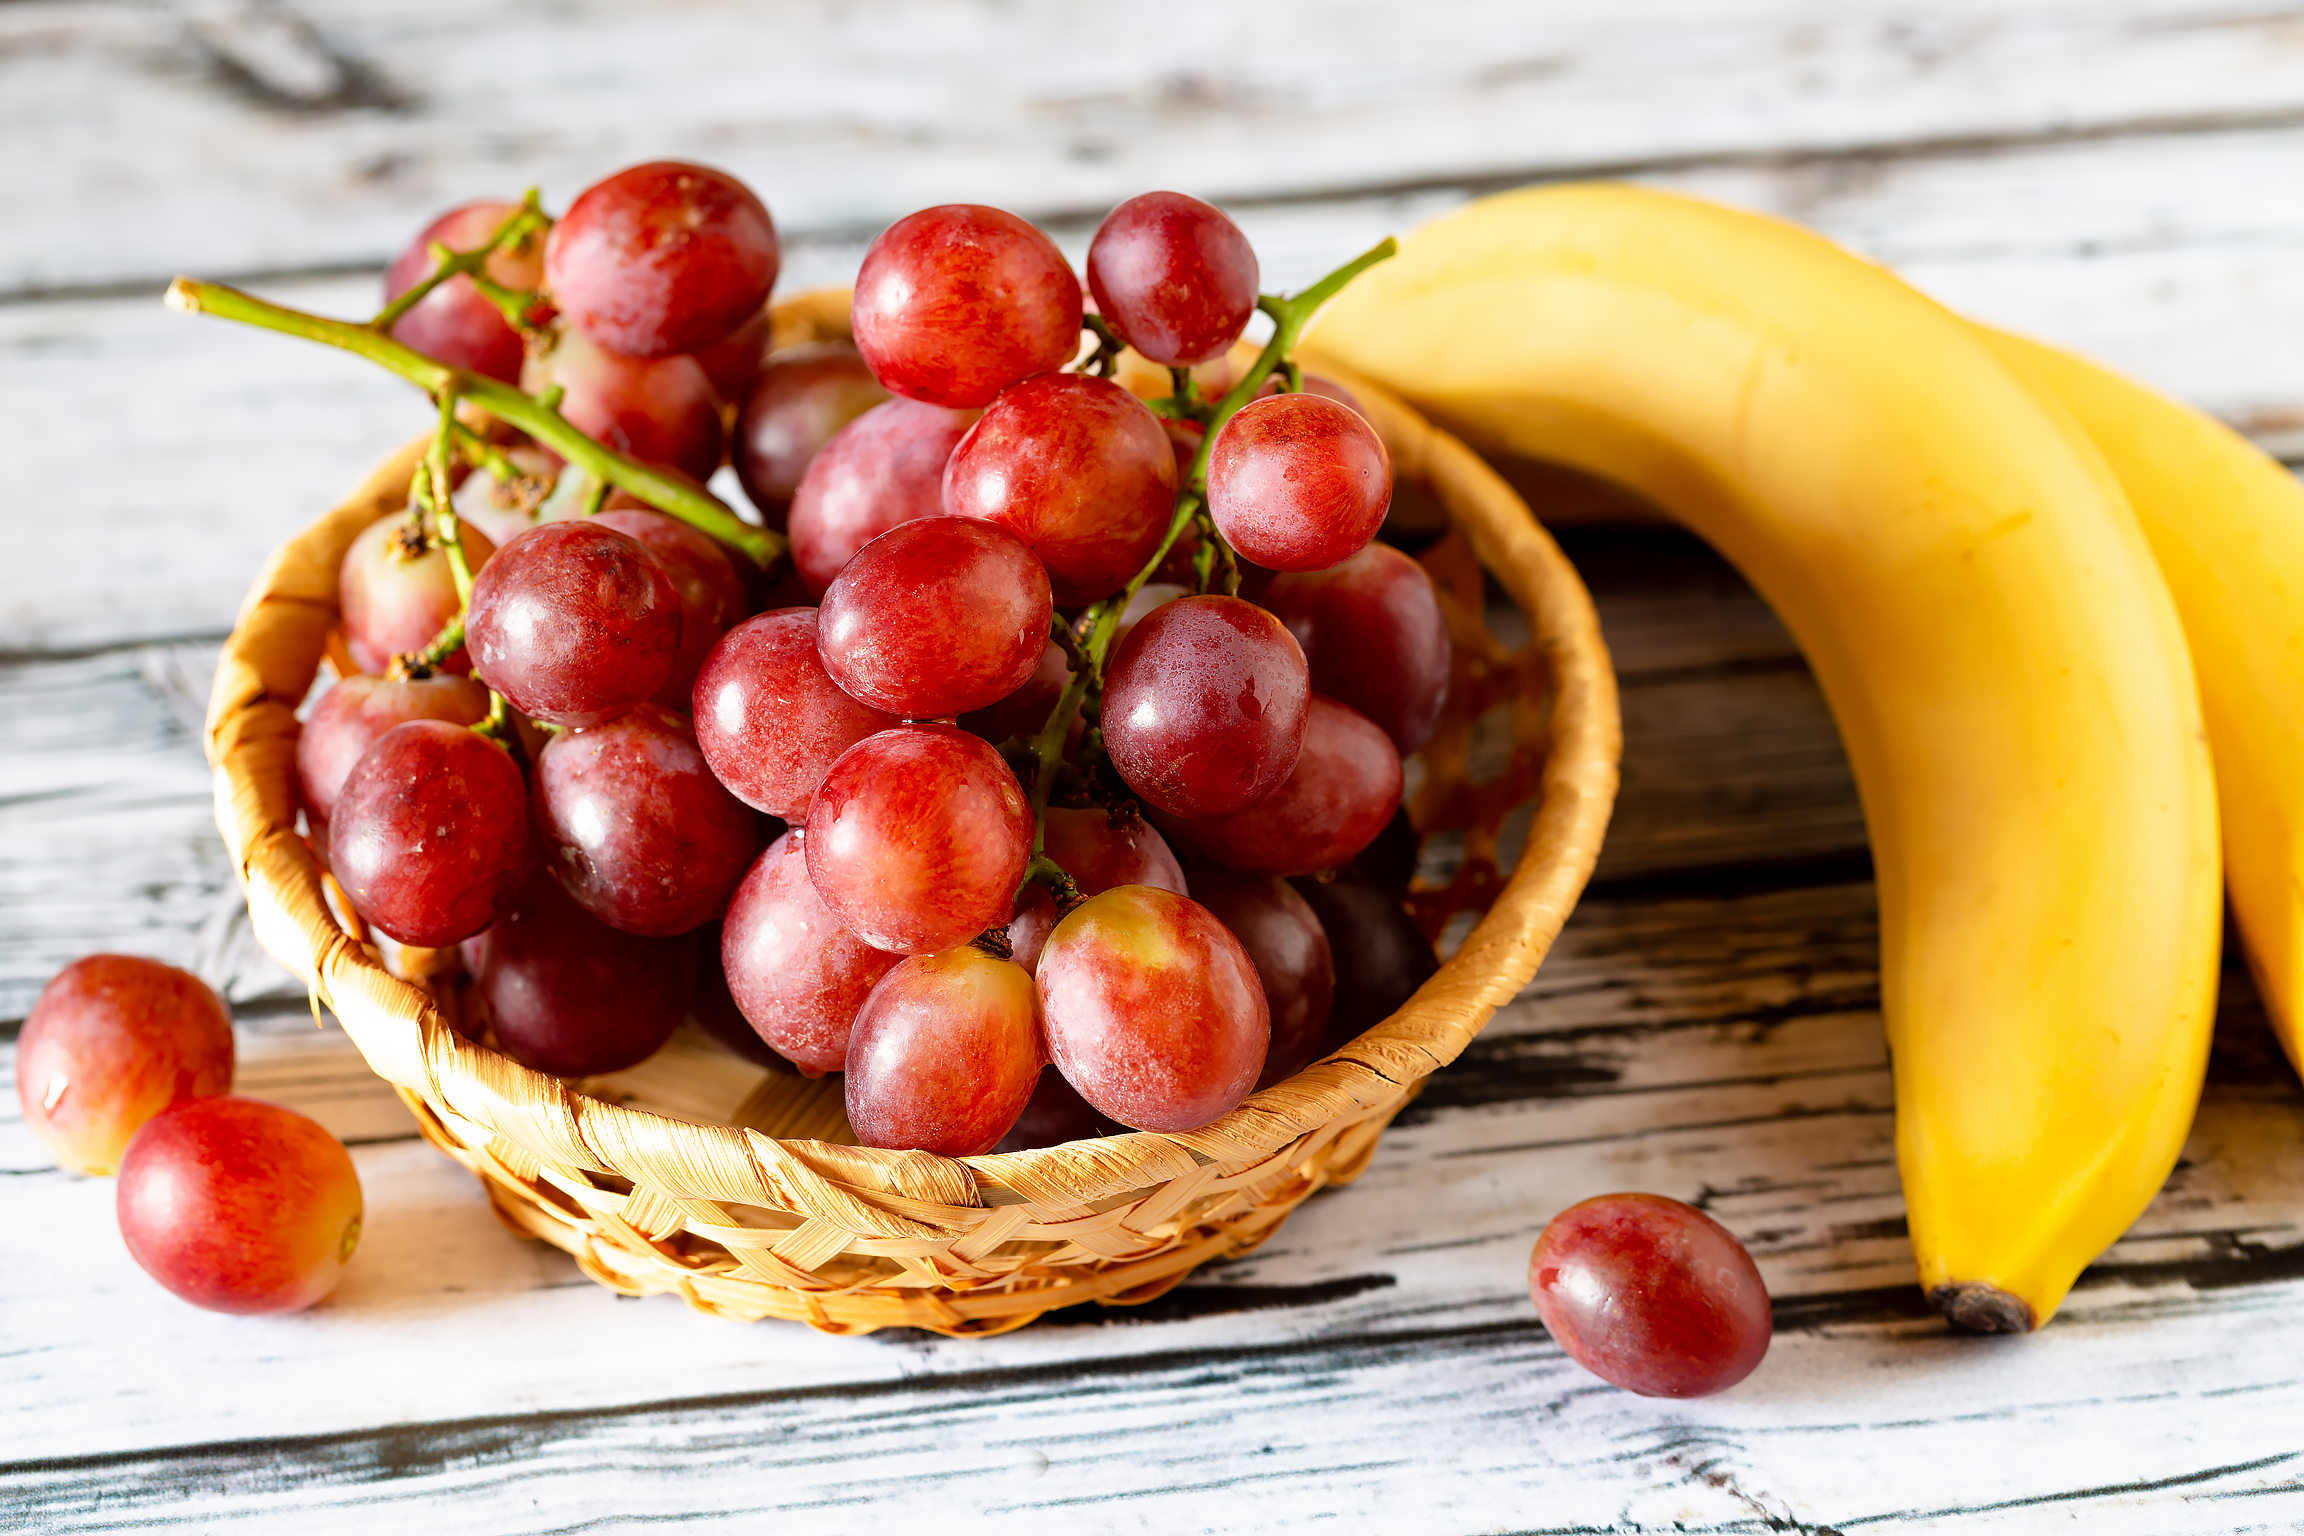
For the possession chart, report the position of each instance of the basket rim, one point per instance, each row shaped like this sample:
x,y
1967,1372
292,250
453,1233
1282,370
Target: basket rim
x,y
251,744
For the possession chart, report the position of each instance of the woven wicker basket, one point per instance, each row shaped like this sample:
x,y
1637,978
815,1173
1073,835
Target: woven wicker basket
x,y
768,1213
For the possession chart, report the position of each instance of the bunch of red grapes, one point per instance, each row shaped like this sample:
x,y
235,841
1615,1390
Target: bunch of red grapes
x,y
1056,788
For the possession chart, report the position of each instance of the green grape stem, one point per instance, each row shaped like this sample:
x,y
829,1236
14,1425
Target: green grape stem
x,y
537,417
528,218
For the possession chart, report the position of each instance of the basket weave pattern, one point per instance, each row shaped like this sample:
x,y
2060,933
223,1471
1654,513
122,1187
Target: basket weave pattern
x,y
762,1219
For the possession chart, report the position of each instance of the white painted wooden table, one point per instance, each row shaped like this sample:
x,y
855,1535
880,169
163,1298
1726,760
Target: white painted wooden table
x,y
2121,176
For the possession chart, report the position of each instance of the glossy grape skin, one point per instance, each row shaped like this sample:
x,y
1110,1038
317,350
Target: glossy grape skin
x,y
637,828
574,623
395,591
430,840
1374,637
798,976
918,838
1298,482
713,1007
1024,711
711,593
112,1041
660,410
738,361
1173,277
1651,1295
662,257
237,1205
455,322
1099,850
1079,470
571,996
769,717
1343,790
1054,1115
1152,1009
1291,953
945,1054
804,397
884,468
1204,706
356,710
955,303
1381,956
934,618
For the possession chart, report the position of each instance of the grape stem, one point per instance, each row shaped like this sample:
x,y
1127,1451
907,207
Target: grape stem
x,y
528,218
1105,360
538,417
1102,619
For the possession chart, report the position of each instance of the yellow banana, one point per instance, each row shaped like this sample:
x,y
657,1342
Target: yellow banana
x,y
2226,523
1986,621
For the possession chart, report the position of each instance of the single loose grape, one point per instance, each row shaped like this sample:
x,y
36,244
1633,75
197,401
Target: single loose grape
x,y
1340,794
935,618
712,595
805,396
798,976
661,258
1652,1295
1204,706
1374,637
953,304
396,591
1291,953
570,995
945,1054
770,719
918,838
574,623
356,710
1079,470
1173,277
884,468
1298,482
1152,1009
430,840
112,1041
637,828
661,410
237,1205
455,322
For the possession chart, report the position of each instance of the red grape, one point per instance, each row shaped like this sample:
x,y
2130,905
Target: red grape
x,y
661,258
768,716
350,716
1343,789
455,322
1099,849
712,595
884,468
935,617
660,410
1055,1115
574,623
637,828
1153,594
112,1041
739,360
713,1007
1316,384
396,592
954,304
1204,706
1152,1009
798,976
570,995
504,511
1652,1295
1298,482
945,1054
1290,951
430,839
1023,712
804,397
1174,278
1374,637
1381,956
918,838
1079,470
237,1205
